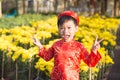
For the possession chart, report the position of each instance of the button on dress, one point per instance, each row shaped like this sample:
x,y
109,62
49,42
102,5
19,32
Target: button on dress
x,y
67,57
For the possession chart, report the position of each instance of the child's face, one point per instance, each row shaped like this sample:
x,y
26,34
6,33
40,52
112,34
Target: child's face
x,y
67,30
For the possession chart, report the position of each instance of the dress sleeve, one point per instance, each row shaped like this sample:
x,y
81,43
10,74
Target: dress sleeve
x,y
46,54
90,59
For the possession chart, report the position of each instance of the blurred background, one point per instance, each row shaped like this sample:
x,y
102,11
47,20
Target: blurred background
x,y
21,20
86,7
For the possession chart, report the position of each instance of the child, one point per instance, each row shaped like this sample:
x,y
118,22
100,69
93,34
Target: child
x,y
67,52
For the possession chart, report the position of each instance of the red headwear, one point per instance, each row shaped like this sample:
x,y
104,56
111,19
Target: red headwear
x,y
69,13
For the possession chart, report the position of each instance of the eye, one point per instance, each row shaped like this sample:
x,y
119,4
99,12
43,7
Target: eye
x,y
69,27
61,28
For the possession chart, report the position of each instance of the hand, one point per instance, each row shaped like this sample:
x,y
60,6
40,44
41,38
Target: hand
x,y
37,42
96,45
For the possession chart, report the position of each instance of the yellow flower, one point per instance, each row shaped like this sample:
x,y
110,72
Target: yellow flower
x,y
17,53
105,43
108,60
95,69
84,67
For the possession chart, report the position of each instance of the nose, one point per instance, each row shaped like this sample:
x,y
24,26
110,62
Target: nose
x,y
65,31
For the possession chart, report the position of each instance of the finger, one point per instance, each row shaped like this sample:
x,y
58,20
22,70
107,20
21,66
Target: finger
x,y
100,40
96,39
35,39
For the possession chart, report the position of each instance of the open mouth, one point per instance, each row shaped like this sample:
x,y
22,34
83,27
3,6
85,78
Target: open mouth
x,y
66,37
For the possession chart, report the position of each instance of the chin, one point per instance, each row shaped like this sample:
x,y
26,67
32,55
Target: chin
x,y
67,40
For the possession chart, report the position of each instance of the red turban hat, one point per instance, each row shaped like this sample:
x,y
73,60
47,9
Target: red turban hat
x,y
69,13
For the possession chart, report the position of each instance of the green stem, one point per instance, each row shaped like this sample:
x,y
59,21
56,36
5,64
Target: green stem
x,y
29,70
16,70
90,74
2,76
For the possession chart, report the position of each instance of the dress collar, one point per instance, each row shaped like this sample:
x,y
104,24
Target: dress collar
x,y
69,42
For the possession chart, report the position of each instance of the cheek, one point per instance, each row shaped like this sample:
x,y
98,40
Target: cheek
x,y
72,31
60,32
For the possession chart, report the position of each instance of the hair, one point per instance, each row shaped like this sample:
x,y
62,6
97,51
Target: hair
x,y
62,19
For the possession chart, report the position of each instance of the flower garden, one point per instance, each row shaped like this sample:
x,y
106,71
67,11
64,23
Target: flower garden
x,y
18,54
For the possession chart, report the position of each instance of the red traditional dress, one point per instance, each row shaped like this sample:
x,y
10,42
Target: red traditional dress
x,y
67,57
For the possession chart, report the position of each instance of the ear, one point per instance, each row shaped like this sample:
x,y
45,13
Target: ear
x,y
76,28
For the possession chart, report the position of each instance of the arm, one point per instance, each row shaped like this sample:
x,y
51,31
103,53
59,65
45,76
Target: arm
x,y
45,54
92,59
